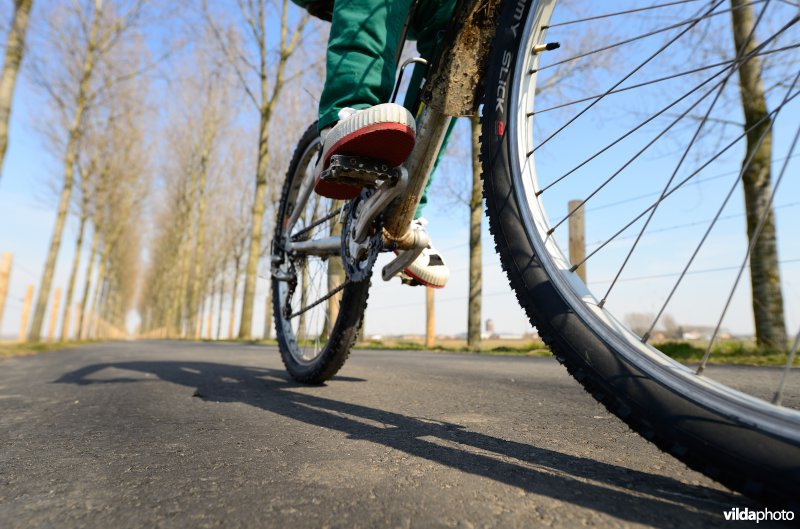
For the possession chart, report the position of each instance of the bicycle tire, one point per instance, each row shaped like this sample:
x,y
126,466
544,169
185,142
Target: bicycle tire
x,y
344,331
753,451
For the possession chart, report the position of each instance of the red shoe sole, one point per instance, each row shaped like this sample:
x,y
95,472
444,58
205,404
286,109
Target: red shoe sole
x,y
389,142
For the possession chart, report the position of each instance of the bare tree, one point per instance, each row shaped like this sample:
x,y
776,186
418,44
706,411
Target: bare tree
x,y
85,172
475,247
263,94
80,36
765,278
15,48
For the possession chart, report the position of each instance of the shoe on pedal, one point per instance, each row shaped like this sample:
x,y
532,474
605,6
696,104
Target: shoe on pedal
x,y
383,132
429,268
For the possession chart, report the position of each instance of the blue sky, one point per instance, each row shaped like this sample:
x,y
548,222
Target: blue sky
x,y
27,213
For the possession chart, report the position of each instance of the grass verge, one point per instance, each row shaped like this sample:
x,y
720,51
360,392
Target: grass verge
x,y
735,352
9,349
725,352
488,347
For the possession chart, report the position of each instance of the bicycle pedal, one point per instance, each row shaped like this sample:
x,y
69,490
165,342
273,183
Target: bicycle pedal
x,y
407,280
358,171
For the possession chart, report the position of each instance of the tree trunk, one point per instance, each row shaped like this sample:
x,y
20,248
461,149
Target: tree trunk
x,y
232,322
268,100
757,183
257,222
219,307
15,47
55,245
475,250
182,299
76,261
199,248
69,168
87,285
100,286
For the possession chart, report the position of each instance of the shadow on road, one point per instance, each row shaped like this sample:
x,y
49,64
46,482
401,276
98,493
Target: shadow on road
x,y
624,493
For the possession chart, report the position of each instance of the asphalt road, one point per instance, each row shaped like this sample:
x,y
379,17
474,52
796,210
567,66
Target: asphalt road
x,y
164,434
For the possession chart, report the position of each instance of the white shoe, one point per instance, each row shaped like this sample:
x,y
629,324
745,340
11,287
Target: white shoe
x,y
384,132
429,268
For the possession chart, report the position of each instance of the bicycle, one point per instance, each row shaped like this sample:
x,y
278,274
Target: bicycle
x,y
323,251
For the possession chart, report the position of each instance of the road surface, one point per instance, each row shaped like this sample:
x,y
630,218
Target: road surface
x,y
181,434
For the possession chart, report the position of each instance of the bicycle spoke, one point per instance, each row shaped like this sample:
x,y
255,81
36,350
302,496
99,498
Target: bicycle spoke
x,y
618,13
751,242
711,225
327,296
703,222
737,65
659,80
334,213
633,158
684,181
692,21
626,135
686,151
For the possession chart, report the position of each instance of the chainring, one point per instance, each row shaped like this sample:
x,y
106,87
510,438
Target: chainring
x,y
359,258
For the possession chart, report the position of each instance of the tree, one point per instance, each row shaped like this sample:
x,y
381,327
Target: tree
x,y
15,48
253,29
757,183
80,37
475,247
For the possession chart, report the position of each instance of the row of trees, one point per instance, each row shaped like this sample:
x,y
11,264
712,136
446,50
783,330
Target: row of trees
x,y
210,201
213,226
102,78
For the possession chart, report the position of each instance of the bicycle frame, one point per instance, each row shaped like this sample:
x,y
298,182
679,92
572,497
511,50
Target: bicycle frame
x,y
451,91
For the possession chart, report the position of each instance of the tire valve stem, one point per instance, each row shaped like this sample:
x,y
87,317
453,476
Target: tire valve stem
x,y
550,46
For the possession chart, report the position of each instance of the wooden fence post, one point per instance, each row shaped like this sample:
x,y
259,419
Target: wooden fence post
x,y
5,274
429,318
54,314
577,237
26,312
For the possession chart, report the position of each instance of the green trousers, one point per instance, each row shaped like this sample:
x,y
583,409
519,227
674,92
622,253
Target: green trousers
x,y
362,49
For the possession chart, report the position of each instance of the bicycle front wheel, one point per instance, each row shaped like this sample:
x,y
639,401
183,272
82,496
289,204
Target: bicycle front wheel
x,y
632,117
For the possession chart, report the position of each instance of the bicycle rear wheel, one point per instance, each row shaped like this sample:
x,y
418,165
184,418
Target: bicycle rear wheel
x,y
318,311
741,440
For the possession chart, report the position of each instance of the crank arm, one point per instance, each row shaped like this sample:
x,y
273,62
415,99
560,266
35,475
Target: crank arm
x,y
403,260
377,204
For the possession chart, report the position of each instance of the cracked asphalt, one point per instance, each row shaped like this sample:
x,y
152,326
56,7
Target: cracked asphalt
x,y
182,434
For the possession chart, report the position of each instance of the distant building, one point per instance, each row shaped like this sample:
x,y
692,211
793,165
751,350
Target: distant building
x,y
489,326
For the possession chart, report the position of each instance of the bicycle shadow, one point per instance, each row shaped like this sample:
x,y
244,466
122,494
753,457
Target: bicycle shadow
x,y
621,492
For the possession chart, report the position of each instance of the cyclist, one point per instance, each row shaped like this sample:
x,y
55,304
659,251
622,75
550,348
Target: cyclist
x,y
354,118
